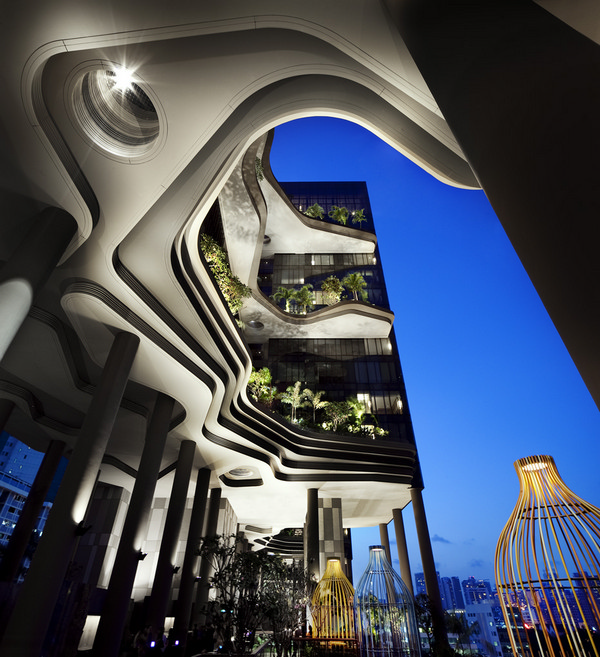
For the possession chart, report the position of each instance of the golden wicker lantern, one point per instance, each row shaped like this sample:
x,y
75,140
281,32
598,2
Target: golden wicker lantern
x,y
331,605
548,566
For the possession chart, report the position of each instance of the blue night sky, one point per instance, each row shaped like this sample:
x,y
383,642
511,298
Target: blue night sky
x,y
488,378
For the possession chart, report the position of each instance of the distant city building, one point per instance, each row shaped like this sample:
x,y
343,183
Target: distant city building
x,y
484,638
450,591
18,467
476,590
420,583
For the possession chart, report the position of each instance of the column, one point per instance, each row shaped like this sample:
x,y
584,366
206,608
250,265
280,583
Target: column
x,y
116,604
163,578
31,617
190,562
212,520
402,549
431,581
17,545
30,267
312,534
385,541
518,88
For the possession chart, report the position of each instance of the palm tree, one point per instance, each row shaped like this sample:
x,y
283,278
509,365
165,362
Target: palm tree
x,y
339,214
358,216
314,399
284,294
294,397
304,297
355,283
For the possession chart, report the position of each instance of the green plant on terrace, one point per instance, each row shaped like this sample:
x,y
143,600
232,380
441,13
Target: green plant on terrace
x,y
315,211
339,214
259,386
355,283
358,216
304,298
284,294
232,289
295,397
315,400
332,290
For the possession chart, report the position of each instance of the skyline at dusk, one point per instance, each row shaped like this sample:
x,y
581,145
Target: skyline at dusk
x,y
488,378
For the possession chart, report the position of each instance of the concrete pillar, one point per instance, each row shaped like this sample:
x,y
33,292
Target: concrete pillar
x,y
431,581
189,569
32,508
385,541
30,267
402,549
116,604
518,88
163,578
31,617
6,408
212,520
312,534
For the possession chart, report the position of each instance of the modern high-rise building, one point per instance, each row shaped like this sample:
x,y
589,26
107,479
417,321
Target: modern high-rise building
x,y
120,129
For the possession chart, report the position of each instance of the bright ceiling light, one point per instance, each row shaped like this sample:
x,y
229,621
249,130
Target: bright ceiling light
x,y
123,78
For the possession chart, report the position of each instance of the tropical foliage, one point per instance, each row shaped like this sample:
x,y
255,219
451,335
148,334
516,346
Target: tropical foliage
x,y
358,216
339,214
332,290
337,412
259,386
355,284
315,211
304,298
295,398
249,589
232,289
315,399
284,294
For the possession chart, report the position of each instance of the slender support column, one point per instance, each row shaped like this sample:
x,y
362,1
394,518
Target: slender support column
x,y
212,520
402,549
114,612
312,533
31,617
431,581
189,569
17,545
6,408
385,541
518,88
30,267
163,578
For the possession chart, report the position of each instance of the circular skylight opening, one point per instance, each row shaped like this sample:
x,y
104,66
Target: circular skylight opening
x,y
115,110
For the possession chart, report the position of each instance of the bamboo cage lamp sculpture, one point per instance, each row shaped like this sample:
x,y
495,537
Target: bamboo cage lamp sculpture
x,y
386,625
548,566
331,605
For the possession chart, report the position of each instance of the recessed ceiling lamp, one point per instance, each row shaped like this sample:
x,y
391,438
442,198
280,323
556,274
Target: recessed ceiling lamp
x,y
241,473
114,109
